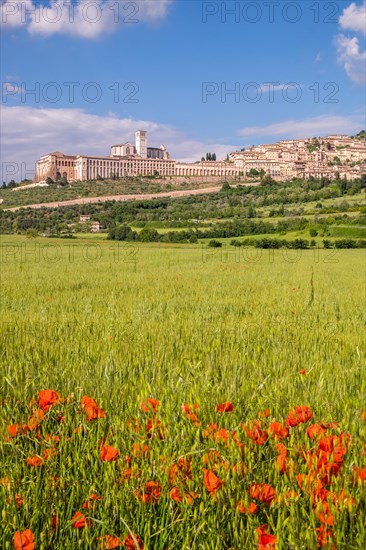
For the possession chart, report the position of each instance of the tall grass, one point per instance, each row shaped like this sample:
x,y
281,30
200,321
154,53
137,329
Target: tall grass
x,y
182,325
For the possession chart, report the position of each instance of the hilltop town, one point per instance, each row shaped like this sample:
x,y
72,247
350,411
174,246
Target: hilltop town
x,y
332,156
336,155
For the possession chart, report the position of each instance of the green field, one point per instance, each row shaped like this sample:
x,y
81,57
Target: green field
x,y
124,322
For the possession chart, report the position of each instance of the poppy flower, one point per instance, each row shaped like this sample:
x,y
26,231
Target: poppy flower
x,y
108,453
140,450
47,398
265,540
359,473
79,521
265,413
155,427
180,471
16,429
151,494
300,415
150,404
109,542
49,453
54,521
278,430
303,371
24,540
213,460
324,536
19,500
225,407
262,492
35,419
255,433
242,509
211,481
92,498
34,461
91,408
315,431
132,542
324,515
343,499
188,409
177,496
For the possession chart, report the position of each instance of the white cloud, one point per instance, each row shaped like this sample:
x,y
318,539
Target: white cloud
x,y
353,18
349,51
29,133
308,127
317,58
352,58
83,18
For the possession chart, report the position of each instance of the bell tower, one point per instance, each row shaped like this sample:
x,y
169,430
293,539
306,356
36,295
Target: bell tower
x,y
141,143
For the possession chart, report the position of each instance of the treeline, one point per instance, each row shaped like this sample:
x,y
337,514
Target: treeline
x,y
298,243
236,228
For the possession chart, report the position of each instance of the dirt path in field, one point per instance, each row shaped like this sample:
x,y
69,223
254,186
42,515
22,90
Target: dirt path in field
x,y
123,198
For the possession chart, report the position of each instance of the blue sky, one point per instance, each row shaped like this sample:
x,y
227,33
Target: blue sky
x,y
295,69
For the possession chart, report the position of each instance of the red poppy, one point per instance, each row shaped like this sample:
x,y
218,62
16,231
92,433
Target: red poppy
x,y
213,460
278,430
19,500
108,453
299,415
265,413
150,404
225,407
140,450
266,541
177,496
303,371
180,471
324,515
188,409
92,498
324,536
359,473
109,542
24,540
132,542
211,481
263,492
343,499
242,509
47,398
315,431
35,419
255,433
154,427
54,521
49,453
16,429
34,461
91,408
151,494
79,521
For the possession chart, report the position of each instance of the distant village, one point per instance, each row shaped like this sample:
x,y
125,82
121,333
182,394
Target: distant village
x,y
332,156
